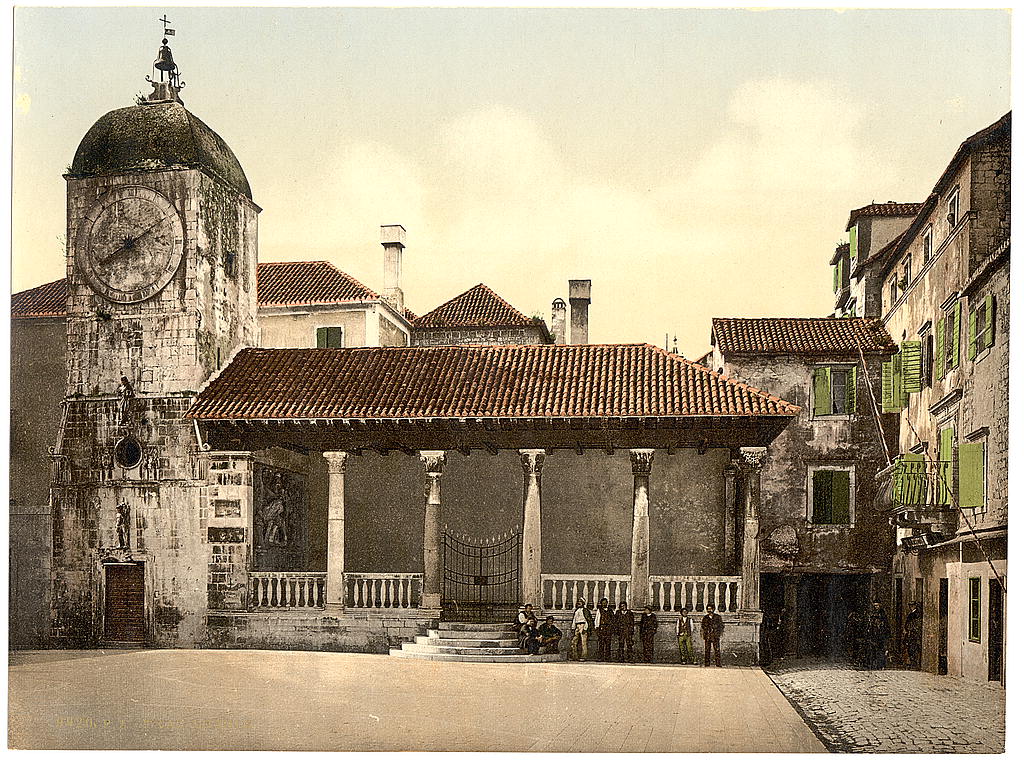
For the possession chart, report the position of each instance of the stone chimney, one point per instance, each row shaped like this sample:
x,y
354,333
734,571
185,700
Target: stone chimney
x,y
579,309
393,240
558,320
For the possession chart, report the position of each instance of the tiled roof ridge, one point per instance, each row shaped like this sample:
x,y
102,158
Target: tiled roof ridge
x,y
885,210
370,294
434,319
800,335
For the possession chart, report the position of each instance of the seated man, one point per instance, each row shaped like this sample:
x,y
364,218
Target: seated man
x,y
529,637
550,636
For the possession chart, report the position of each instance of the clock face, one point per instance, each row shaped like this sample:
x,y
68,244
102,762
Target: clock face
x,y
130,244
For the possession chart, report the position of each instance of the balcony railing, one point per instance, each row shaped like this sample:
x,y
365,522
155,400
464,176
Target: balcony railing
x,y
918,494
286,589
664,593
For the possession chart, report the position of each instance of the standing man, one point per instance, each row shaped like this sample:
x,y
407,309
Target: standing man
x,y
604,621
912,635
648,629
711,629
878,635
684,634
624,625
582,624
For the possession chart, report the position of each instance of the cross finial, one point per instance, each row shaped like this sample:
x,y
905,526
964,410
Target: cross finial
x,y
164,19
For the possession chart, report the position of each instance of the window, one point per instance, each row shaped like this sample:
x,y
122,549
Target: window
x,y
330,337
981,327
970,479
853,246
229,263
926,244
953,209
835,276
901,376
906,272
835,390
974,619
893,291
831,496
947,341
927,360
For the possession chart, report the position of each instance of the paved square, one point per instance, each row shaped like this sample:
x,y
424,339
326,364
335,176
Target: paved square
x,y
892,711
336,701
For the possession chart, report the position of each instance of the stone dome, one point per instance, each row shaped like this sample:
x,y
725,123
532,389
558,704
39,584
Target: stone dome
x,y
156,136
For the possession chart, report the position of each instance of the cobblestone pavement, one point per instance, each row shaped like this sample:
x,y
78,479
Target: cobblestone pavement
x,y
281,700
894,711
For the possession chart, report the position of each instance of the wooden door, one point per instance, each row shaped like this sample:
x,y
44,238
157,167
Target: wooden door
x,y
125,608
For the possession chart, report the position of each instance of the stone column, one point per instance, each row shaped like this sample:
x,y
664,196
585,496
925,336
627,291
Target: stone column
x,y
335,596
432,530
533,463
640,562
751,462
730,512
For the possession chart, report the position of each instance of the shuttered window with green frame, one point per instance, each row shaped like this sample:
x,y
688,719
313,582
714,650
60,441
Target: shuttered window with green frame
x,y
830,497
981,327
853,246
835,390
944,474
330,337
893,395
974,609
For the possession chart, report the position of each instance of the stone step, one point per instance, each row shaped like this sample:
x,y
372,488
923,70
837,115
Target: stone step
x,y
471,627
462,650
522,658
467,642
466,635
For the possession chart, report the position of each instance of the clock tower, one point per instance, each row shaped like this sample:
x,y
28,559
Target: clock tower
x,y
161,275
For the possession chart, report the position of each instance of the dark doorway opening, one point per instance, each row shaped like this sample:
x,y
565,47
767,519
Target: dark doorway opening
x,y
943,620
124,613
995,630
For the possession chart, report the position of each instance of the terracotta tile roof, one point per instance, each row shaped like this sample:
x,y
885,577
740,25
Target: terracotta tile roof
x,y
885,210
45,300
307,283
801,336
474,381
477,307
277,284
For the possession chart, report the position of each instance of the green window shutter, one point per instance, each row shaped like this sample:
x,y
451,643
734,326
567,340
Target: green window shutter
x,y
822,496
822,391
853,246
990,321
944,474
334,337
835,277
972,331
887,397
899,396
851,391
940,348
321,337
840,496
970,485
911,366
956,337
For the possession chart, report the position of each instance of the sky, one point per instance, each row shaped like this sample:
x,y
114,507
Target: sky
x,y
692,163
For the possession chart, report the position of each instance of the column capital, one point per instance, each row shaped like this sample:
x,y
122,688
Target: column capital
x,y
533,461
641,460
731,467
752,457
336,462
434,461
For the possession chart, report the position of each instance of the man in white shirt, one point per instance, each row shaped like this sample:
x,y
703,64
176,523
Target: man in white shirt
x,y
582,623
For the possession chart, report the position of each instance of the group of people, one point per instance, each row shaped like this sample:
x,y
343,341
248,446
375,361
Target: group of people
x,y
611,626
870,635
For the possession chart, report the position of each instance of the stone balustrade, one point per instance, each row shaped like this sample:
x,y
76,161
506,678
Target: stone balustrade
x,y
669,593
286,589
560,591
398,591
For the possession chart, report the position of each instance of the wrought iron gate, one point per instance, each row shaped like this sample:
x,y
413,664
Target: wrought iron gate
x,y
481,577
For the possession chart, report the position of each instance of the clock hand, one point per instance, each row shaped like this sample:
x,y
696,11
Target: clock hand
x,y
129,243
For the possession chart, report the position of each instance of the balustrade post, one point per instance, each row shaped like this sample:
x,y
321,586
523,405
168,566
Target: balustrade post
x,y
533,463
335,595
434,462
640,563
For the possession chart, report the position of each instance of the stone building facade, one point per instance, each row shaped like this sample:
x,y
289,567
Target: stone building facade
x,y
826,548
946,301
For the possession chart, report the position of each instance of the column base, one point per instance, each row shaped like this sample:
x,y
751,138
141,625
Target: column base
x,y
334,609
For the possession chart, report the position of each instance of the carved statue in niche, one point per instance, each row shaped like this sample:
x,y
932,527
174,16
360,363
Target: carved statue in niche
x,y
124,535
272,517
280,517
125,397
